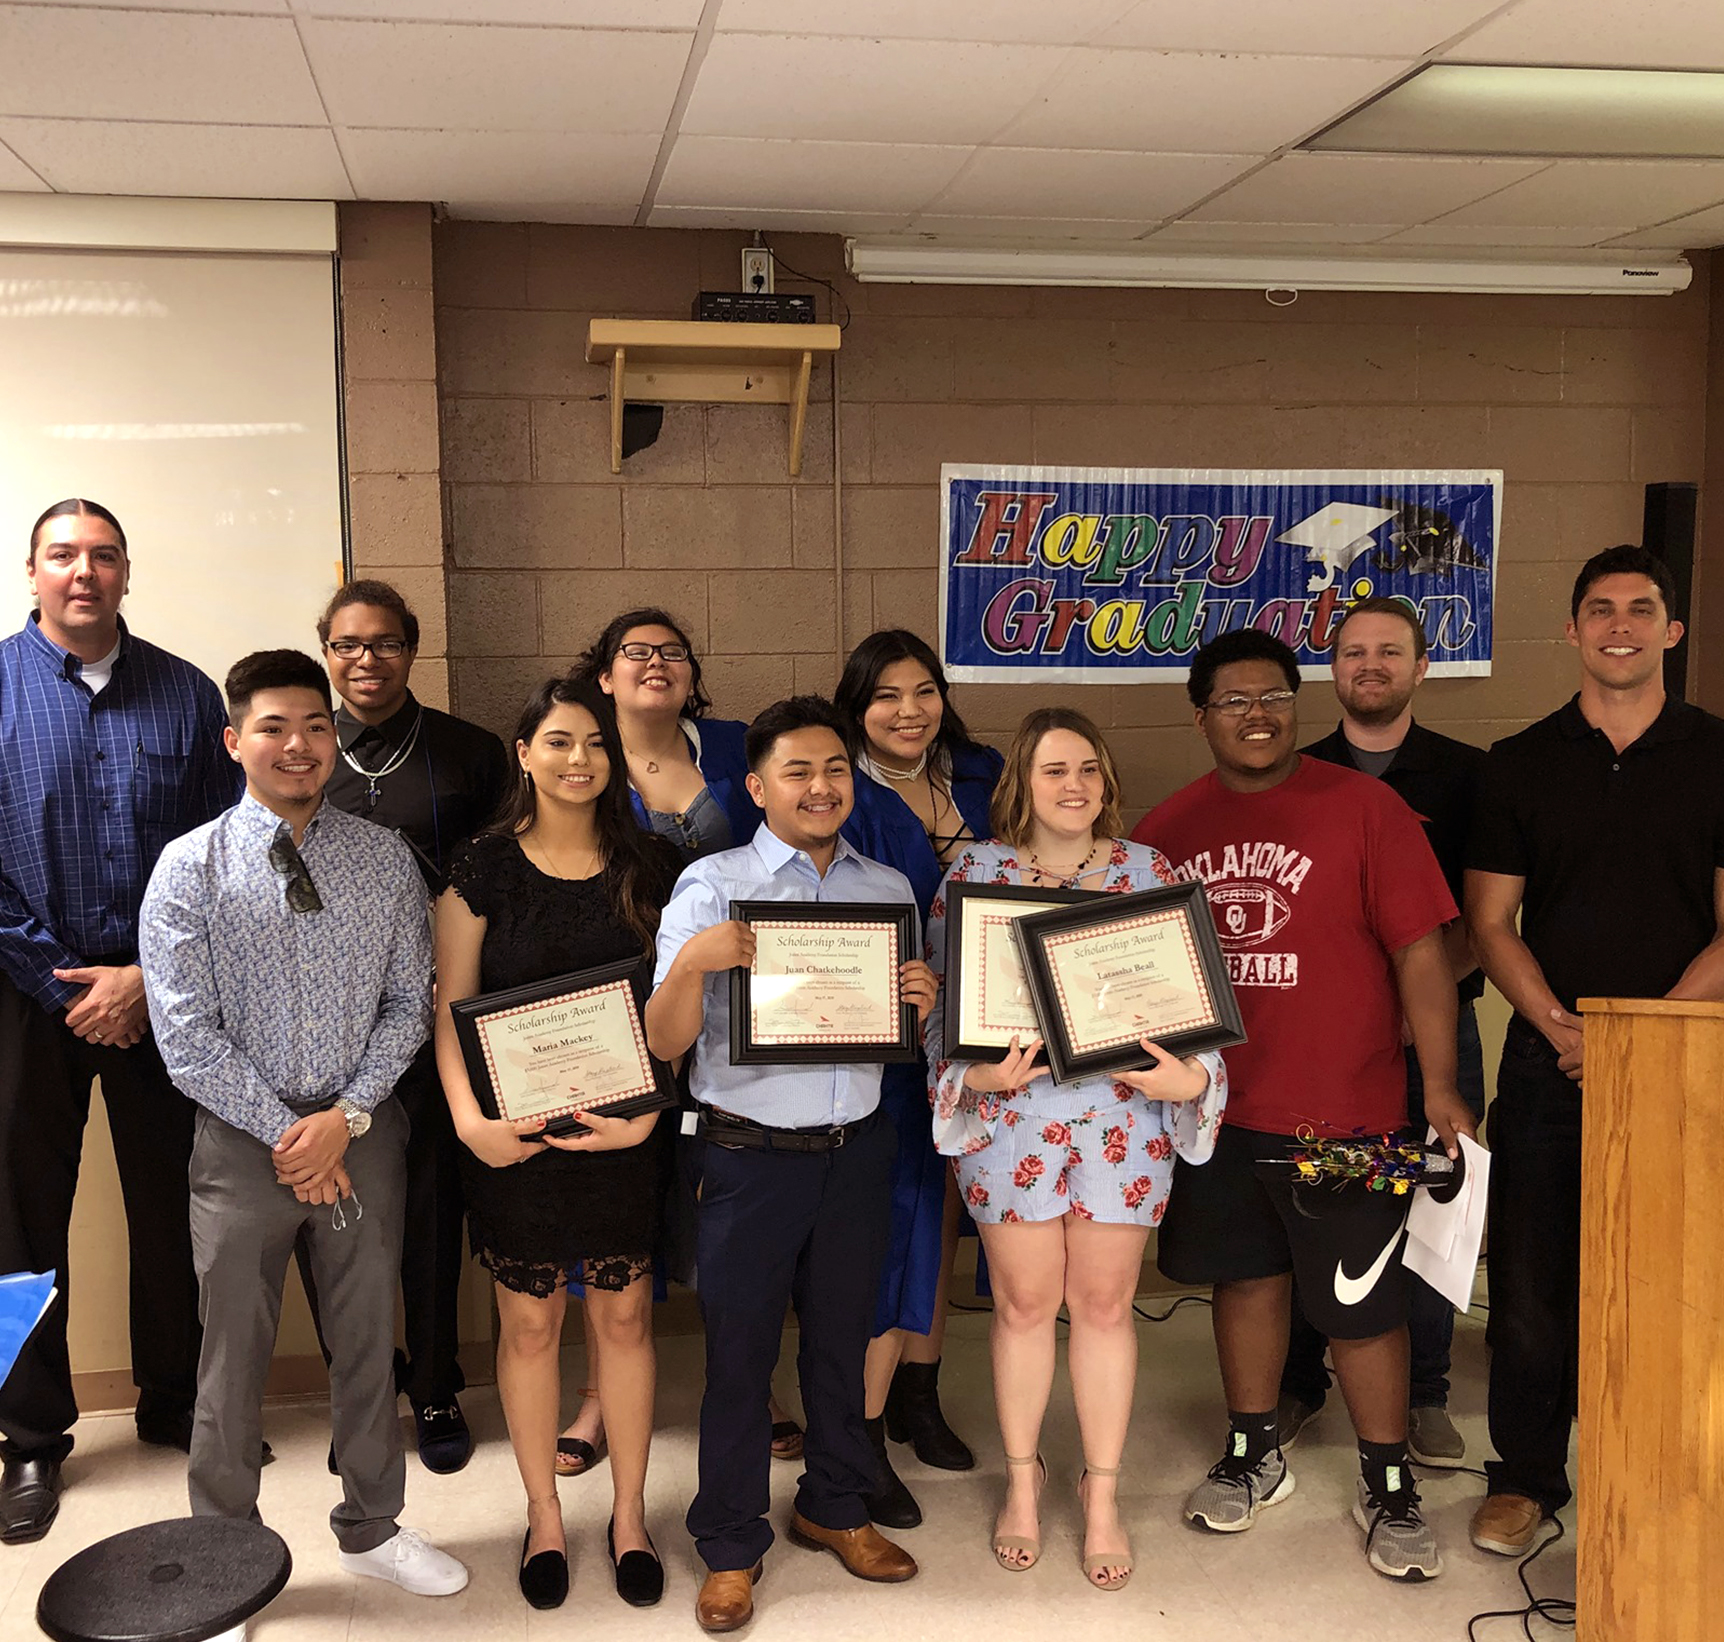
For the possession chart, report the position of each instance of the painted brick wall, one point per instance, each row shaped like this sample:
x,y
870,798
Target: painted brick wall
x,y
1580,401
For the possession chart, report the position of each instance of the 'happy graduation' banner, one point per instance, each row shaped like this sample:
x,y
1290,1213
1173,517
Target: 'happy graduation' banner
x,y
1117,575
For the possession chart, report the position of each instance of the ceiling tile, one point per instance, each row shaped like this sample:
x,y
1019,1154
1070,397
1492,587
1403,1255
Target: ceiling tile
x,y
1071,23
137,65
1361,188
197,161
759,85
1013,229
1602,33
479,172
788,222
1389,28
1076,182
1182,103
274,7
1601,193
1464,237
439,77
1277,234
807,176
588,14
1690,233
16,177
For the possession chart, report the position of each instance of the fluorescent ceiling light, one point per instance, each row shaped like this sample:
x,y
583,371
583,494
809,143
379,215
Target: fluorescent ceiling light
x,y
920,262
1585,113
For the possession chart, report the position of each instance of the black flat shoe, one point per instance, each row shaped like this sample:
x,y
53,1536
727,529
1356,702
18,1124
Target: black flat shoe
x,y
544,1577
640,1574
445,1443
29,1500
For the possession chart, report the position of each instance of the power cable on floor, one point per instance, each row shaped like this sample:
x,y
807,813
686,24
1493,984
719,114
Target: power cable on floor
x,y
1553,1610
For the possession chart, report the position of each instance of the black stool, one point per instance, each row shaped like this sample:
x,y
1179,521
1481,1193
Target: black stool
x,y
180,1581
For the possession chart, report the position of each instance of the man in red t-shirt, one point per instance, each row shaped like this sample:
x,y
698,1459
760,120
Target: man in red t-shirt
x,y
1330,907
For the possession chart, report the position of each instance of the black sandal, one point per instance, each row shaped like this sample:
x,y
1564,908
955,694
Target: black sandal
x,y
576,1456
786,1440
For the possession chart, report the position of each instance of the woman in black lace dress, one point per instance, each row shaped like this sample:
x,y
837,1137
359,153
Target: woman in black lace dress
x,y
566,881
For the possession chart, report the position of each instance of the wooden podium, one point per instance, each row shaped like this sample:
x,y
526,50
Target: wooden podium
x,y
1651,1484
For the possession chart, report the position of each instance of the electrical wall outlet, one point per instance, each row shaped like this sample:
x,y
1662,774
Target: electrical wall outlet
x,y
757,270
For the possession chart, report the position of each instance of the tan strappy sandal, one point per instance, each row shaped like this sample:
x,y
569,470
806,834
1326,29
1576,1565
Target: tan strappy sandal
x,y
1018,1553
1095,1567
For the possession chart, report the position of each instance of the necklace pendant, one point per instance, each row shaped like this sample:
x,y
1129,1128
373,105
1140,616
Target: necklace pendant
x,y
652,766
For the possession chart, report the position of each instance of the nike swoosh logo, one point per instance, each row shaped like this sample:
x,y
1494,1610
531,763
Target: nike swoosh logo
x,y
1351,1290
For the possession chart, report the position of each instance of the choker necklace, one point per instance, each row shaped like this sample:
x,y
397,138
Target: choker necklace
x,y
1066,880
884,772
372,777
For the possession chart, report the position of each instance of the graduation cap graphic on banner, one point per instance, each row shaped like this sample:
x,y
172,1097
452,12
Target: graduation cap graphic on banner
x,y
1334,536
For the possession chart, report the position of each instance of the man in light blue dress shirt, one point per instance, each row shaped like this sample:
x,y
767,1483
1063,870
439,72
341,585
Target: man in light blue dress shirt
x,y
287,960
795,1177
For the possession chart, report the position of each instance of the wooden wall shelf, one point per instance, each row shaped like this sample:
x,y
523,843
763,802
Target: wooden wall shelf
x,y
691,361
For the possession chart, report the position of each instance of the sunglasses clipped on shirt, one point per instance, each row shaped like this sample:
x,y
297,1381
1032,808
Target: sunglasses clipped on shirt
x,y
302,894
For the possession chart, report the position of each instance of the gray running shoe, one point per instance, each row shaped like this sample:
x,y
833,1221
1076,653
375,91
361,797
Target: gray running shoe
x,y
1399,1543
1433,1440
1229,1498
1292,1415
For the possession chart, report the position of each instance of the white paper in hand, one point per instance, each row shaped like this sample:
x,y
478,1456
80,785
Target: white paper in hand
x,y
1443,1239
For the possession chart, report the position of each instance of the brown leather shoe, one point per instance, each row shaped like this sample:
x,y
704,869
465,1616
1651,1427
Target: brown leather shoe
x,y
726,1600
866,1552
1507,1524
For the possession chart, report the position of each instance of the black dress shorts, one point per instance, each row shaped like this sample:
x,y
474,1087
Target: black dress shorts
x,y
1240,1216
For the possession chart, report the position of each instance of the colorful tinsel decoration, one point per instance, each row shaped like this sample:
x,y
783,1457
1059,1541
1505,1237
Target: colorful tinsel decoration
x,y
1382,1162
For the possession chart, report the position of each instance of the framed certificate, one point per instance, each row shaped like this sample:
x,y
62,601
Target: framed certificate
x,y
987,993
1124,967
571,1043
824,983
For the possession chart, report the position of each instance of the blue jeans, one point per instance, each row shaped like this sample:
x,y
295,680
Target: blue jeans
x,y
1431,1319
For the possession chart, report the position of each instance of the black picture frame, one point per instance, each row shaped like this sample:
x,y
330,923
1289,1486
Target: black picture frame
x,y
958,897
899,917
469,1013
1224,1029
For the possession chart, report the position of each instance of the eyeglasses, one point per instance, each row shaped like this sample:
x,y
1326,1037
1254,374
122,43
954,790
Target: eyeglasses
x,y
645,652
1271,701
302,894
382,649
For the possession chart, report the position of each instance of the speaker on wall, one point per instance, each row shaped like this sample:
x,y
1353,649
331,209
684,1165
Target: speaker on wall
x,y
1667,529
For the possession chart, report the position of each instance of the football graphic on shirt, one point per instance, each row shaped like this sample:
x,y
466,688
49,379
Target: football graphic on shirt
x,y
1248,913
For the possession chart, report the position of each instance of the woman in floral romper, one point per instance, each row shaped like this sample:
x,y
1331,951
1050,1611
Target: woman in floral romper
x,y
1064,1180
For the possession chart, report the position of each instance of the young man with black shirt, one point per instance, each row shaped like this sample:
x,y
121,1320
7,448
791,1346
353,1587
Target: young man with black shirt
x,y
1379,661
1331,911
435,780
1602,828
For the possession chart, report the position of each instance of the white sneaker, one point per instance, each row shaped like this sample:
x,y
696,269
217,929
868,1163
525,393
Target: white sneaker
x,y
411,1561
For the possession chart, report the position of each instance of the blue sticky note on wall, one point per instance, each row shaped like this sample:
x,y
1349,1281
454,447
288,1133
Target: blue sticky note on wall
x,y
24,1297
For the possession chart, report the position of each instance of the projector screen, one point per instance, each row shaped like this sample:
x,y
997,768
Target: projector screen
x,y
196,396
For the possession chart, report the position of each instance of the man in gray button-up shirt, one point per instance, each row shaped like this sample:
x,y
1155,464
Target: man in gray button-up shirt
x,y
287,959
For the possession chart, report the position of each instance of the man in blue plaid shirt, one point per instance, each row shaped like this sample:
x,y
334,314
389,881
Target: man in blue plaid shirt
x,y
109,748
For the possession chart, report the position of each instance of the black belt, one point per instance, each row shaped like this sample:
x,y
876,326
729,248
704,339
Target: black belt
x,y
727,1129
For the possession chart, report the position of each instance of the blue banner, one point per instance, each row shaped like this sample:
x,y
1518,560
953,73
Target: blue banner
x,y
1118,575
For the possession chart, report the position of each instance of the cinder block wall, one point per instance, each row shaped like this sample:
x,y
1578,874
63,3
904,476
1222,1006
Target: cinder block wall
x,y
1580,401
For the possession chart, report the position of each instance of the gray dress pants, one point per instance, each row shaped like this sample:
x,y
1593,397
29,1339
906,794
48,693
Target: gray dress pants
x,y
243,1228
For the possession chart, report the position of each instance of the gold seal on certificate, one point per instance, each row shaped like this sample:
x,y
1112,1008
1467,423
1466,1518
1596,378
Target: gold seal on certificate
x,y
824,984
987,994
1121,968
571,1043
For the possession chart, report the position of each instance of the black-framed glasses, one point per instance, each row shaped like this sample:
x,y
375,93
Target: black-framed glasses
x,y
302,894
382,649
645,652
1271,701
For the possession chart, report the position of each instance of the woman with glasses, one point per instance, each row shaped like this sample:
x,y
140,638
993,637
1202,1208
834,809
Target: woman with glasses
x,y
565,881
922,792
1064,1180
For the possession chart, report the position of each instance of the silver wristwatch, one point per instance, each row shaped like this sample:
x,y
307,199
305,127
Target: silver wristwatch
x,y
358,1119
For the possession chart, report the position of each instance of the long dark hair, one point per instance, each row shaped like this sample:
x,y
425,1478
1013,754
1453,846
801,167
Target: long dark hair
x,y
637,879
601,654
861,677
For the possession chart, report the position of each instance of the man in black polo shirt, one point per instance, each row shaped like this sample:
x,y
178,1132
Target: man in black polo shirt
x,y
435,780
1379,661
1603,827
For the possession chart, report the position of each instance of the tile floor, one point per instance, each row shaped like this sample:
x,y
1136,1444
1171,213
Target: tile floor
x,y
1298,1576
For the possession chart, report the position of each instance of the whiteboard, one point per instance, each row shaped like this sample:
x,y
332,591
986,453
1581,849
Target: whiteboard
x,y
197,397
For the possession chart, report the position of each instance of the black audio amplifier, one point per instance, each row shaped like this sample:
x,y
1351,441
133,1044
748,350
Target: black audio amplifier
x,y
755,307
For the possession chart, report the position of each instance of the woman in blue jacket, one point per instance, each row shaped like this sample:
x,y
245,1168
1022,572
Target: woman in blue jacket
x,y
922,793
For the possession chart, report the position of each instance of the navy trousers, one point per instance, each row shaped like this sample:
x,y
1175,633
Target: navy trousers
x,y
778,1229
